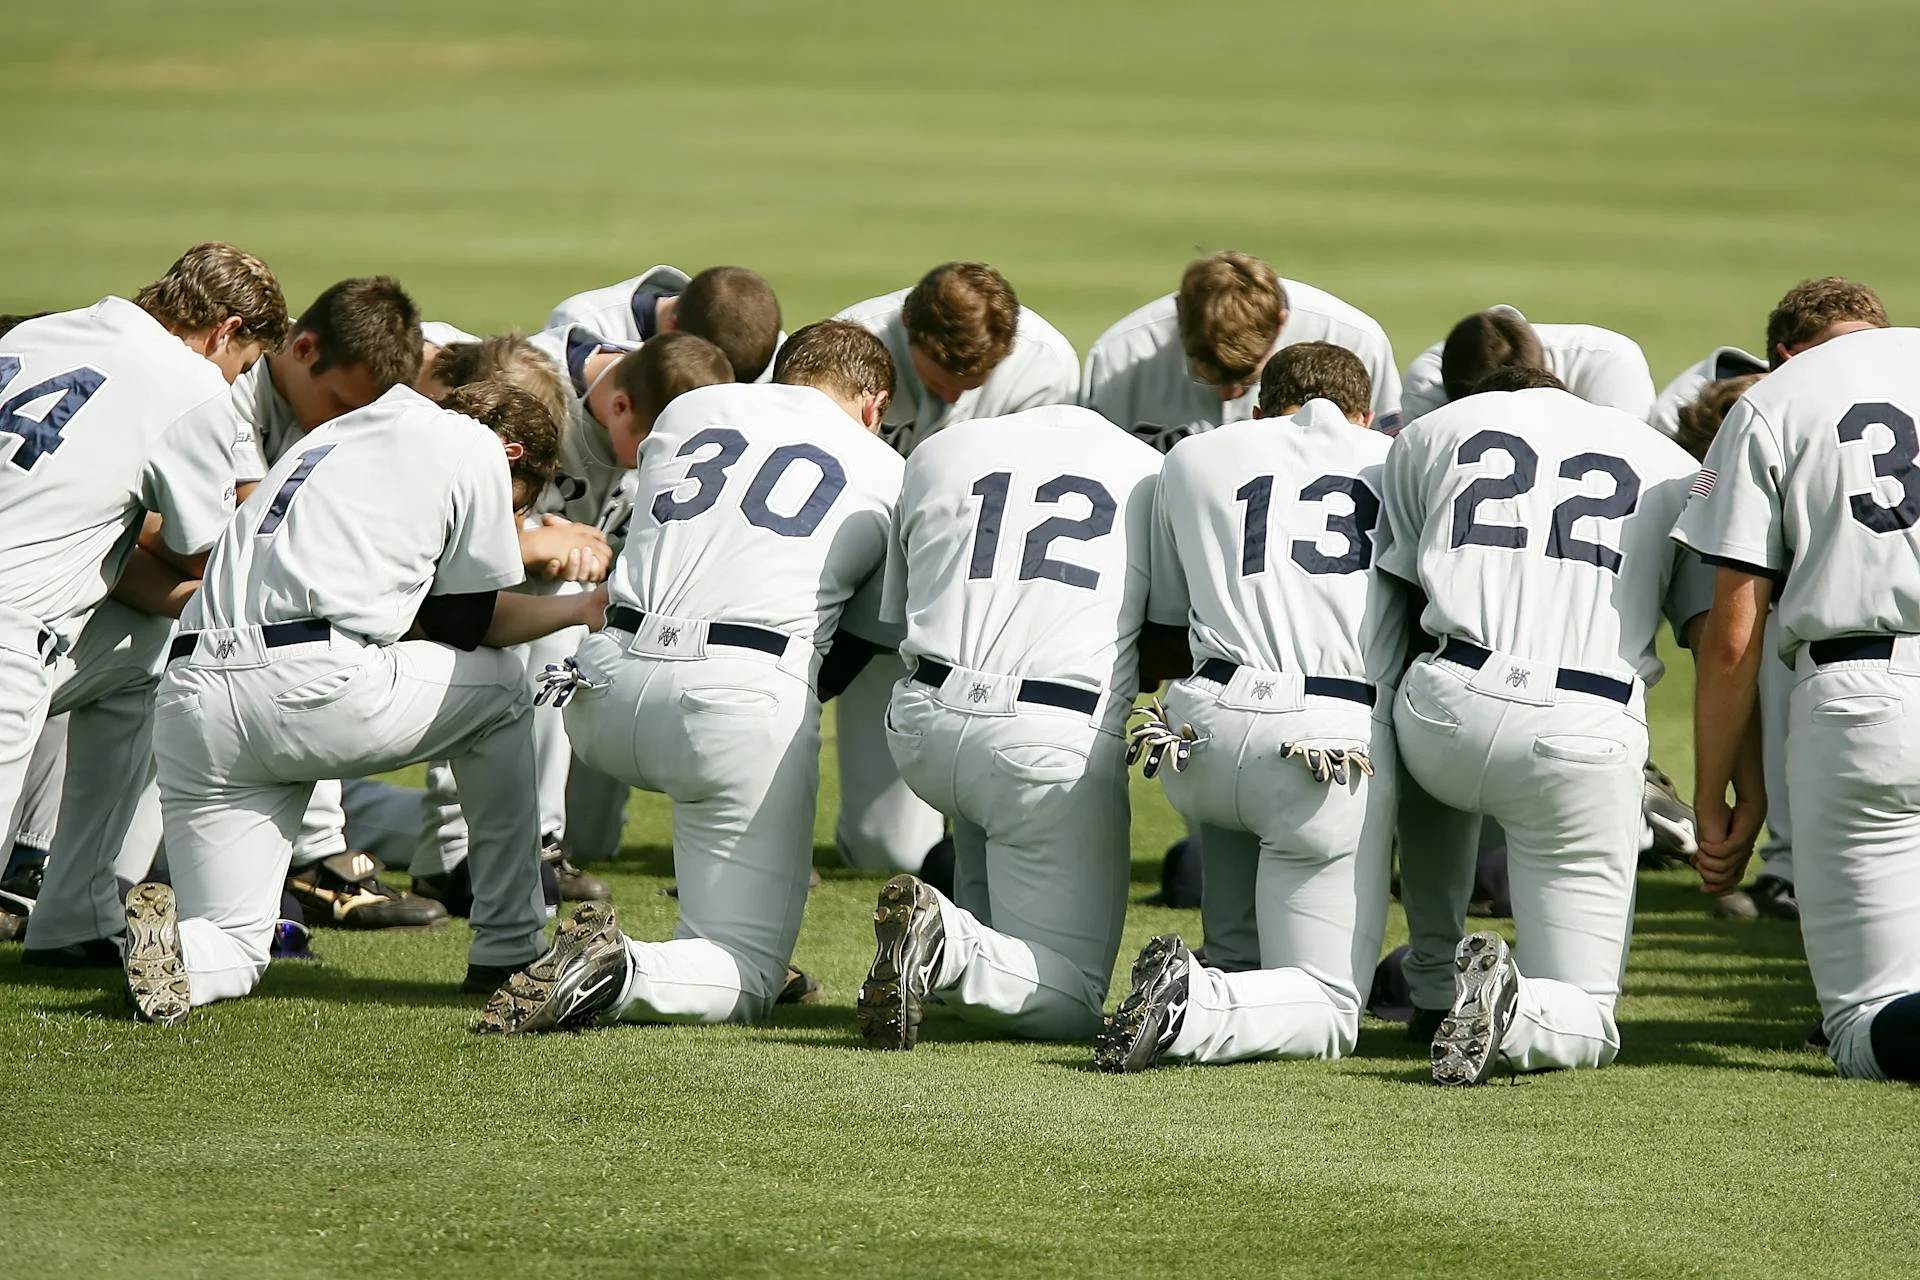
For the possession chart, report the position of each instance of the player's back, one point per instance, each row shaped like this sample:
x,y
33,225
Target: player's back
x,y
1537,524
91,432
1023,547
361,519
760,504
1268,532
1836,426
1042,368
620,310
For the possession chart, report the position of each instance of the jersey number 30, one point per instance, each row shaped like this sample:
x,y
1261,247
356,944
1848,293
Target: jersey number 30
x,y
710,475
40,436
1469,530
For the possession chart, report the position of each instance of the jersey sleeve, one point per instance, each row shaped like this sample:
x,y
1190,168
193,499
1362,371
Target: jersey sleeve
x,y
1386,387
1405,500
1689,591
1733,514
188,479
866,612
893,595
482,551
1422,392
1624,382
1169,603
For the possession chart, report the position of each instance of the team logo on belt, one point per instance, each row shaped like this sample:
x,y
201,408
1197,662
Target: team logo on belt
x,y
978,693
226,648
1517,678
1263,689
669,636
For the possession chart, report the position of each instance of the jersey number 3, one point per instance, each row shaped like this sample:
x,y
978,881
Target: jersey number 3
x,y
1468,530
40,436
1897,463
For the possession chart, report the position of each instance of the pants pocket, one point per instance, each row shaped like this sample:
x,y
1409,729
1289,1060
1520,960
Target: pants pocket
x,y
1580,749
729,702
1426,713
1858,711
1042,762
322,691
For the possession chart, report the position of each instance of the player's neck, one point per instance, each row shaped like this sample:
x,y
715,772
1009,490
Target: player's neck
x,y
666,314
597,372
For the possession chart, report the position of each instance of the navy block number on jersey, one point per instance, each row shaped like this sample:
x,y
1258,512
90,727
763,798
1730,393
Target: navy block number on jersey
x,y
1470,530
1896,463
40,436
1356,527
709,475
1036,560
277,509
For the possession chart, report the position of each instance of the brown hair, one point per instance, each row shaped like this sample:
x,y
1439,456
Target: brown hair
x,y
212,281
1315,371
667,367
835,355
1484,342
1231,307
963,315
517,418
1517,377
1700,420
369,321
735,310
509,358
1814,306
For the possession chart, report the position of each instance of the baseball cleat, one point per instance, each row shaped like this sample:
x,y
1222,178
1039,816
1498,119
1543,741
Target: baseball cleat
x,y
801,988
1773,897
580,977
571,883
1486,990
94,953
156,973
910,940
345,892
1143,1027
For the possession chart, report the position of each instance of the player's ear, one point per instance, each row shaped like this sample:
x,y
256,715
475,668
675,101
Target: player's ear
x,y
305,347
873,410
224,334
1366,418
514,450
1258,412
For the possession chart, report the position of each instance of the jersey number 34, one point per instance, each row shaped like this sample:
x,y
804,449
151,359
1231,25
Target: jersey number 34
x,y
40,436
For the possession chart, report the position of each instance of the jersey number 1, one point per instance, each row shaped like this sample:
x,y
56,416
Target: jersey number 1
x,y
40,436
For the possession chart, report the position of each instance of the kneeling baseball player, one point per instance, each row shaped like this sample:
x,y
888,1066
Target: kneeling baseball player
x,y
746,595
343,627
1281,741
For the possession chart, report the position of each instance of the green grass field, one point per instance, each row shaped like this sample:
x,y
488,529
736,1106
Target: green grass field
x,y
1664,168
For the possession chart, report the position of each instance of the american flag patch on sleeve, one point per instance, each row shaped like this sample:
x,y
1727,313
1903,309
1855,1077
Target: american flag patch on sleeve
x,y
1702,484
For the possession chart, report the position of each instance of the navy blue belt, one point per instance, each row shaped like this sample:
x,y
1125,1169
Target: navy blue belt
x,y
1850,649
1469,654
735,635
1221,671
1045,693
274,635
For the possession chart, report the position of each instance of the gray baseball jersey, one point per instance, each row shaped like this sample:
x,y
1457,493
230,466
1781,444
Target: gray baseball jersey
x,y
1021,548
1721,362
765,505
1598,365
104,416
1137,373
589,474
1815,472
1041,369
626,312
264,426
374,511
1537,524
1265,541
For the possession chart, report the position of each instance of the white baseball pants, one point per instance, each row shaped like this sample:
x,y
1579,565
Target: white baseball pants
x,y
883,826
733,739
1853,765
104,685
242,733
1561,771
1038,800
1313,859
